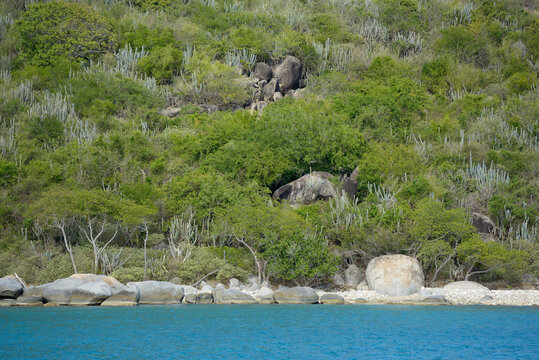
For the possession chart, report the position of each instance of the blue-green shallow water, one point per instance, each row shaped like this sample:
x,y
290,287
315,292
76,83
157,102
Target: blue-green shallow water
x,y
266,331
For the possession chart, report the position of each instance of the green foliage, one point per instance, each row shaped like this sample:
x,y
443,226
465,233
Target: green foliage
x,y
204,261
462,43
152,4
162,63
127,274
8,173
53,29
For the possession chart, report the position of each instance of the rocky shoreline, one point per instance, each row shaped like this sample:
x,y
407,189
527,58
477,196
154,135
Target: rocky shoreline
x,y
101,290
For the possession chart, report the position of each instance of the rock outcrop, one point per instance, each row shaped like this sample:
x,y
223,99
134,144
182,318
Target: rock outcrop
x,y
353,276
483,224
10,287
127,296
199,298
331,299
158,292
264,295
296,295
395,275
307,189
262,71
349,185
90,293
289,73
29,301
464,286
232,296
59,292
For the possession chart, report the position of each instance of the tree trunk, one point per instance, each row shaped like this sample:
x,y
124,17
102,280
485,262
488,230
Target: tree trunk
x,y
145,256
61,226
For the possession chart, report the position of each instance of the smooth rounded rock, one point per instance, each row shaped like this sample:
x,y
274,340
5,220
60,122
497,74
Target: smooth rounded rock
x,y
199,298
353,275
8,302
127,296
395,275
331,299
91,293
262,71
296,295
465,286
29,301
158,292
59,292
10,287
232,296
289,73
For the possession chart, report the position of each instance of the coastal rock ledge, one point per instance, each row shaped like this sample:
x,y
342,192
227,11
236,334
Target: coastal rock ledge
x,y
395,275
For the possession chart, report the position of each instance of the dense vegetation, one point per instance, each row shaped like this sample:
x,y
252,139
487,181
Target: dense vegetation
x,y
436,102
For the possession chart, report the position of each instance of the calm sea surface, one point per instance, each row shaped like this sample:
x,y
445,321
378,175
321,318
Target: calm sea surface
x,y
270,332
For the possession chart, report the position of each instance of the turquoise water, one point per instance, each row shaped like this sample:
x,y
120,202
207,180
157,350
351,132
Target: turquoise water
x,y
270,332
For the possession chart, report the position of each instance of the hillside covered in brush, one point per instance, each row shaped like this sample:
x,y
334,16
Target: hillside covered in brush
x,y
145,138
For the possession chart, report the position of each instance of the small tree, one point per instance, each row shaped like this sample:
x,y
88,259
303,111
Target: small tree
x,y
60,29
479,257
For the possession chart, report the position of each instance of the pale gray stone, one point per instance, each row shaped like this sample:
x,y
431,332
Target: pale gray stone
x,y
395,275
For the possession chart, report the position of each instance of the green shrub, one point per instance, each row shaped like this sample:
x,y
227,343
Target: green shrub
x,y
162,63
53,29
521,82
434,74
8,172
145,5
127,274
465,45
204,261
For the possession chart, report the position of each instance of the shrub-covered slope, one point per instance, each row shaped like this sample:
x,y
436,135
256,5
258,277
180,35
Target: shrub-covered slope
x,y
128,146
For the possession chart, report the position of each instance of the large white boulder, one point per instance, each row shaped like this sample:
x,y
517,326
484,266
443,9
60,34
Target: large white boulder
x,y
158,292
10,287
296,295
395,275
465,286
127,296
91,293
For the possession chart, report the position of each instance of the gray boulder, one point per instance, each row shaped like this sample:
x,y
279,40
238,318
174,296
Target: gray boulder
x,y
363,286
199,298
264,295
338,279
483,223
331,299
395,275
29,301
349,185
289,73
465,286
262,71
296,295
307,189
232,296
7,302
269,89
87,277
170,112
10,287
486,298
188,289
235,284
158,292
59,292
128,296
353,276
277,95
91,293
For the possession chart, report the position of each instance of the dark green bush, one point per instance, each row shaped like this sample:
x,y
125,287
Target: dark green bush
x,y
162,63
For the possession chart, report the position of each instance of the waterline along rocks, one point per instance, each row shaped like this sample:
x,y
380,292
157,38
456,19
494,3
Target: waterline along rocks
x,y
394,281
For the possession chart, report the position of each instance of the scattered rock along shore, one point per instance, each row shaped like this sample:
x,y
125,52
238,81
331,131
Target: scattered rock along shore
x,y
94,290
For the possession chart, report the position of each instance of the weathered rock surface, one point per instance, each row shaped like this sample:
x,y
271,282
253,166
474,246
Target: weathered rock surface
x,y
8,302
127,296
204,287
435,299
188,289
262,71
87,277
331,299
91,293
59,292
170,112
486,298
29,301
353,275
363,286
338,279
264,295
199,298
232,296
158,292
289,73
483,223
10,287
269,89
349,185
296,295
395,275
464,286
307,189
